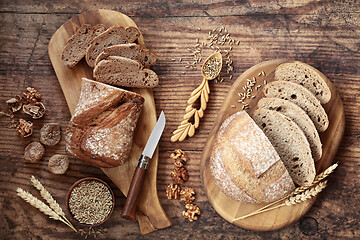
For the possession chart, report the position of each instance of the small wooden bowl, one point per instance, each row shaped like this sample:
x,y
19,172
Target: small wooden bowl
x,y
89,179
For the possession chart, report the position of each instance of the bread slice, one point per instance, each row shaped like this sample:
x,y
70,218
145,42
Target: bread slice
x,y
75,48
254,169
129,50
125,72
102,128
301,97
290,143
298,115
307,76
113,36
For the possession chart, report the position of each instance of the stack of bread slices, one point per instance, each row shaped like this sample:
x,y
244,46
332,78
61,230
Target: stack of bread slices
x,y
101,131
116,59
258,159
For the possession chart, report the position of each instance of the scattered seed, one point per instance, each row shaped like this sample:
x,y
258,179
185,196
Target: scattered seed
x,y
233,106
231,77
173,59
180,59
265,82
253,96
263,73
199,29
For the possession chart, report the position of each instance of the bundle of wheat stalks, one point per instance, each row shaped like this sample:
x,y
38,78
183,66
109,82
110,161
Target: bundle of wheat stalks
x,y
299,195
53,210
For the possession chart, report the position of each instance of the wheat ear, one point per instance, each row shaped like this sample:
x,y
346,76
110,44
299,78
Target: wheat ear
x,y
33,201
298,190
302,197
49,199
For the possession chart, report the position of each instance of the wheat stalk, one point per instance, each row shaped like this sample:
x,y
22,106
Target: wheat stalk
x,y
301,189
49,199
292,200
35,202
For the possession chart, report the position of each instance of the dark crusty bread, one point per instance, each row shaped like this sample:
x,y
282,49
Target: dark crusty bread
x,y
102,128
129,50
125,72
113,36
298,115
245,165
290,143
301,97
307,76
75,48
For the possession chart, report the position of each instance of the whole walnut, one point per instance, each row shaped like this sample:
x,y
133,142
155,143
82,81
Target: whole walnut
x,y
179,175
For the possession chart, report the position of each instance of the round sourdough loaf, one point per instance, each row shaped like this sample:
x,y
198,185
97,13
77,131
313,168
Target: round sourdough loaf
x,y
245,165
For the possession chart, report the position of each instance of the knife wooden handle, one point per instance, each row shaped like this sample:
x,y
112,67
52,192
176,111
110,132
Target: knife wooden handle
x,y
129,209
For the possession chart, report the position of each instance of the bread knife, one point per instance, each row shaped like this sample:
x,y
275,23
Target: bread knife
x,y
129,209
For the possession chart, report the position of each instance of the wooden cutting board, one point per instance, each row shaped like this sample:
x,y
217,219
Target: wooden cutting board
x,y
281,217
150,214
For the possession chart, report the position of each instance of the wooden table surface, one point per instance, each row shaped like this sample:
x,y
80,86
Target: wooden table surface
x,y
325,34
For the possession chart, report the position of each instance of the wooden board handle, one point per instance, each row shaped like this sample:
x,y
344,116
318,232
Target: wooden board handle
x,y
129,209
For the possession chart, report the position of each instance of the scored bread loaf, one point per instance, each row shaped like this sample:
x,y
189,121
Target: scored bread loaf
x,y
113,36
245,165
307,76
129,50
75,48
301,97
298,115
290,143
125,72
102,128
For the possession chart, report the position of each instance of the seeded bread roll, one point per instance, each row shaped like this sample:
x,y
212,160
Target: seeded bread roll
x,y
245,165
129,50
102,128
290,143
307,76
298,115
75,48
301,97
113,36
125,72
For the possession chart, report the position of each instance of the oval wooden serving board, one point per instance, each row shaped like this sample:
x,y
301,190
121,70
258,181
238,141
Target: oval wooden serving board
x,y
281,217
150,214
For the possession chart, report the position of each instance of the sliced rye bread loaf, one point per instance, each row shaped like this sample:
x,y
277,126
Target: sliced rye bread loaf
x,y
290,143
307,76
301,97
300,117
113,36
125,72
245,165
75,48
129,50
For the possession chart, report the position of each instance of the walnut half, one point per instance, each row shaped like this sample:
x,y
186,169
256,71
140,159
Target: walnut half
x,y
191,212
24,128
173,191
179,175
187,195
179,157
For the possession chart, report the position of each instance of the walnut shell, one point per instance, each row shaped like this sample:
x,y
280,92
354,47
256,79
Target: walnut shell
x,y
50,134
58,164
14,103
34,152
35,110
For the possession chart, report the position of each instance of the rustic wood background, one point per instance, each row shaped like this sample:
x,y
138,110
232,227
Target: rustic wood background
x,y
325,34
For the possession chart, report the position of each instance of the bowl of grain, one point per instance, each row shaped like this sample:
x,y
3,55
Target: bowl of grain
x,y
90,201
